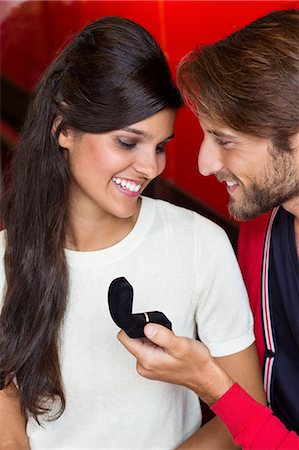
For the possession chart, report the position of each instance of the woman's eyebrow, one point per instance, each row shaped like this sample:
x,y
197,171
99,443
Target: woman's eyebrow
x,y
168,138
145,134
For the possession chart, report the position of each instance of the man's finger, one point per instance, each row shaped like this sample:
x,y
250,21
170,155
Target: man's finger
x,y
134,346
159,339
165,338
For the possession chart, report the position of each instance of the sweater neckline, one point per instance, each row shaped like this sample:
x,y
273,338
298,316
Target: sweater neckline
x,y
121,248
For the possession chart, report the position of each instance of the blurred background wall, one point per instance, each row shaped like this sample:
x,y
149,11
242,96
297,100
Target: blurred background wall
x,y
32,32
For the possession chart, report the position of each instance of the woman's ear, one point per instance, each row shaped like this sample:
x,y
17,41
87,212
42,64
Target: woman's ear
x,y
65,137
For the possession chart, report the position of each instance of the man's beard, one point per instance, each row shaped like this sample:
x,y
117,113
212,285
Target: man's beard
x,y
277,184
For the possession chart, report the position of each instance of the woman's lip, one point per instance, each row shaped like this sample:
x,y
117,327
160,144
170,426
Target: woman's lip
x,y
129,180
125,191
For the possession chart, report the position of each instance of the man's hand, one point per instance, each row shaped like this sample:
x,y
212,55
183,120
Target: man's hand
x,y
178,360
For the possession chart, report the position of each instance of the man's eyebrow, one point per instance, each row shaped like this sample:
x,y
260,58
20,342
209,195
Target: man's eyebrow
x,y
145,133
222,134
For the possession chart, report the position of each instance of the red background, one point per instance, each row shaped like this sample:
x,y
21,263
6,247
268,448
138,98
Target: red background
x,y
33,31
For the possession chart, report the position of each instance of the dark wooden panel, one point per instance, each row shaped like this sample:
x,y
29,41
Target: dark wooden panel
x,y
14,103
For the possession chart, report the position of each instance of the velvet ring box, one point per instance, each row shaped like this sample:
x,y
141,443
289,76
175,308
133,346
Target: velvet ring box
x,y
120,301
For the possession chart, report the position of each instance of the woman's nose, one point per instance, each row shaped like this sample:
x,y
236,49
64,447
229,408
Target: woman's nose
x,y
150,163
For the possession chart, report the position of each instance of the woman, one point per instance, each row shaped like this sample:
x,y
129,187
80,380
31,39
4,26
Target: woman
x,y
75,220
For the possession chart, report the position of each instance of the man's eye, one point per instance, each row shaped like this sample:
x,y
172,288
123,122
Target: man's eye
x,y
223,143
126,145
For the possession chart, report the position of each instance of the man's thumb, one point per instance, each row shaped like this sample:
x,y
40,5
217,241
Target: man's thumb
x,y
160,335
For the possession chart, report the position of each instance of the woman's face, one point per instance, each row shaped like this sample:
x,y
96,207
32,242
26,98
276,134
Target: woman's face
x,y
110,170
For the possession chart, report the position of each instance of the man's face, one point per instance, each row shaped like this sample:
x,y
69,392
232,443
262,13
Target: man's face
x,y
257,176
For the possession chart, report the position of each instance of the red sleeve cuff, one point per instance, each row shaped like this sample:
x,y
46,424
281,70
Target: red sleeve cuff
x,y
251,424
236,408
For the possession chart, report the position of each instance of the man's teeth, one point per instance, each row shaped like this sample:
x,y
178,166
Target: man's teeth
x,y
132,187
231,183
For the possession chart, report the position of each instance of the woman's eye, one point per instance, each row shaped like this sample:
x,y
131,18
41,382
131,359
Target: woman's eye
x,y
160,148
126,145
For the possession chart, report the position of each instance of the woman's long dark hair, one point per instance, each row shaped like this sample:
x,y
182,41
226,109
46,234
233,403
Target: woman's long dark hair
x,y
111,75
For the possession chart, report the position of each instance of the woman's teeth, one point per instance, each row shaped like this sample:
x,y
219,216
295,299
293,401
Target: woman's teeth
x,y
132,187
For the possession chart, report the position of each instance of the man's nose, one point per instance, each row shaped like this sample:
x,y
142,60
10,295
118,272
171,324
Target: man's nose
x,y
210,159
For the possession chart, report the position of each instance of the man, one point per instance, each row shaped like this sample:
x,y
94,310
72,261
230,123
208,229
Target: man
x,y
245,93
